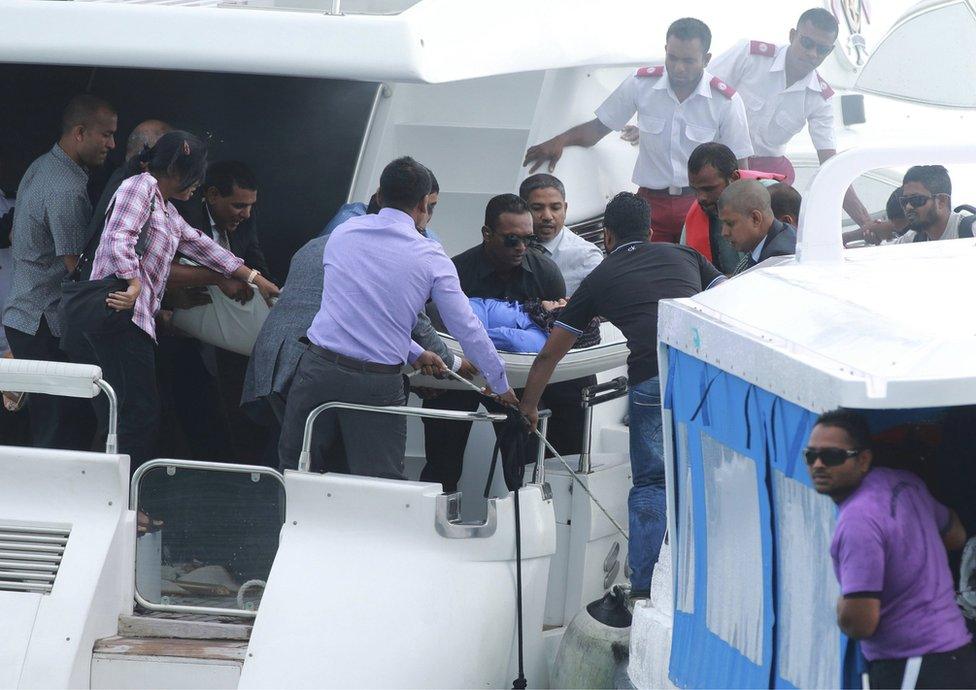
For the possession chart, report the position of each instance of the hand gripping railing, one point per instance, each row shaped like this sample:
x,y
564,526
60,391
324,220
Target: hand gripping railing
x,y
64,379
820,236
305,458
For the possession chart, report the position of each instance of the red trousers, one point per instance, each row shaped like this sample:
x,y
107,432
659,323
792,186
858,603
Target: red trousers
x,y
667,213
780,165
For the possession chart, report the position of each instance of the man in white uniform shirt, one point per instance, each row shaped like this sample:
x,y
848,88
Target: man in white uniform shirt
x,y
783,92
575,257
679,105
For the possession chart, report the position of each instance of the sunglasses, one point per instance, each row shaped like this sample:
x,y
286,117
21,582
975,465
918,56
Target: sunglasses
x,y
809,44
512,241
914,200
831,457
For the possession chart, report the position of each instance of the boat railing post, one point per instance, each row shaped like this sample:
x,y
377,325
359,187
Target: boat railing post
x,y
112,438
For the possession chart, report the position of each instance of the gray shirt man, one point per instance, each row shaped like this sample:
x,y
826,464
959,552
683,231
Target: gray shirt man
x,y
51,221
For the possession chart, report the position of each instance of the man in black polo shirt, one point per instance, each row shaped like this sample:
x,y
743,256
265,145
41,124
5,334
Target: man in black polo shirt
x,y
501,267
625,289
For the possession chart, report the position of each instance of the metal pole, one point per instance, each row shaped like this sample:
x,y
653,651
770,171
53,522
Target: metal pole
x,y
112,439
335,7
584,459
539,475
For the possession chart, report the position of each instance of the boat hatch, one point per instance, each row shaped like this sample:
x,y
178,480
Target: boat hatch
x,y
30,556
212,535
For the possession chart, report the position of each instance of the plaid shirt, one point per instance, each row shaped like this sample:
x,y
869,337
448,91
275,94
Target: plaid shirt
x,y
168,233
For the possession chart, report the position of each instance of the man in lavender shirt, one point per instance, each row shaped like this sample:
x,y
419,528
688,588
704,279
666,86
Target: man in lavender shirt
x,y
379,272
889,554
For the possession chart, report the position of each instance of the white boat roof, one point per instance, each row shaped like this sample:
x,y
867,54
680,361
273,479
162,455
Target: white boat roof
x,y
879,327
428,41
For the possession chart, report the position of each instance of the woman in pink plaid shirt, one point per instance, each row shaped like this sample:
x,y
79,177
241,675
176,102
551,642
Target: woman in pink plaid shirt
x,y
174,168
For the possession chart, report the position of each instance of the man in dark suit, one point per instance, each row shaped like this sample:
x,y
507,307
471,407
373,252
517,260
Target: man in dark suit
x,y
749,225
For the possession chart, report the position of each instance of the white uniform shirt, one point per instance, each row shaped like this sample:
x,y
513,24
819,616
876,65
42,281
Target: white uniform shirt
x,y
670,130
776,111
951,231
575,257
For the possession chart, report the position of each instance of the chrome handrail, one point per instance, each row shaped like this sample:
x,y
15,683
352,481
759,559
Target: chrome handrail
x,y
112,438
305,457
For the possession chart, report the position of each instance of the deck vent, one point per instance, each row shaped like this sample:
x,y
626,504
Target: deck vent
x,y
30,556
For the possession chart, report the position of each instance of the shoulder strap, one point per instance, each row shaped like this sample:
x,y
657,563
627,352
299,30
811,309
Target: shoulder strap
x,y
88,253
966,226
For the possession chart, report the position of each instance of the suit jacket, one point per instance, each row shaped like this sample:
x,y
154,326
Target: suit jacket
x,y
243,241
780,241
277,349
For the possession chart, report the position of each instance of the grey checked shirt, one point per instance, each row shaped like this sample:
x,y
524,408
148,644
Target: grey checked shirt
x,y
51,221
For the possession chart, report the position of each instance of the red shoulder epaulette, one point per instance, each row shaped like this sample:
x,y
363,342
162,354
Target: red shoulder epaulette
x,y
651,71
762,48
825,89
722,87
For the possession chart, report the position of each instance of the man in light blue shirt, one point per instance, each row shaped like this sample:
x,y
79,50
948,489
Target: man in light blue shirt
x,y
381,272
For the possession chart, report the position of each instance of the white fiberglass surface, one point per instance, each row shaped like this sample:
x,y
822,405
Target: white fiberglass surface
x,y
804,524
734,609
686,527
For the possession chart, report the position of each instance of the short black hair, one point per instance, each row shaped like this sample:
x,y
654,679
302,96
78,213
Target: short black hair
x,y
225,175
717,155
82,110
503,203
435,188
820,18
404,183
627,217
688,28
784,200
177,154
934,178
541,181
853,423
893,209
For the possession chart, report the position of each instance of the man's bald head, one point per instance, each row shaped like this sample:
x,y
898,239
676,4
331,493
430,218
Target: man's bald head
x,y
746,214
146,133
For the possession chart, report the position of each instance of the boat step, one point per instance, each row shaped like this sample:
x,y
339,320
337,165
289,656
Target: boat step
x,y
206,650
183,628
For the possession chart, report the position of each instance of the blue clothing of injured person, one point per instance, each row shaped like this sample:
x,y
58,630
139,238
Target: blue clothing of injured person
x,y
508,326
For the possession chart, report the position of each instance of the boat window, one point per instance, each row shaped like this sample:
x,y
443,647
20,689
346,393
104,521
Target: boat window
x,y
873,188
213,535
300,136
805,581
734,606
686,527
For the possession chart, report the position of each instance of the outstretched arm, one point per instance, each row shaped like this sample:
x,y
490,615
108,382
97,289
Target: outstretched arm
x,y
585,135
559,343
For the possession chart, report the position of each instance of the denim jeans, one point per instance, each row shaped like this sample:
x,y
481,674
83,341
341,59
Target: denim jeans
x,y
647,501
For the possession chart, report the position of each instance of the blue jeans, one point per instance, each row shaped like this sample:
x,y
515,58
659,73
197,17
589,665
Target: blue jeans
x,y
647,504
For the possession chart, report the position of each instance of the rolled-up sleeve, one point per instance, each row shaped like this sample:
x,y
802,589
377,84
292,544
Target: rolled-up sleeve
x,y
615,112
203,249
129,212
734,131
461,321
821,126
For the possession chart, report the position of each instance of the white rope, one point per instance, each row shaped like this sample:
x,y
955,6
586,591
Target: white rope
x,y
559,457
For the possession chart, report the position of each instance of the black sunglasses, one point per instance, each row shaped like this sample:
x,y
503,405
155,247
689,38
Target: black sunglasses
x,y
914,200
831,457
809,44
512,241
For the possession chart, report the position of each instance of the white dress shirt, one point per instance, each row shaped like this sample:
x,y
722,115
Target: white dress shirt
x,y
670,130
575,257
776,111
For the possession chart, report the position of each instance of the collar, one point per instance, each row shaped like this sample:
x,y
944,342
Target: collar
x,y
812,81
206,209
62,156
779,61
627,244
398,217
702,89
552,245
757,252
774,229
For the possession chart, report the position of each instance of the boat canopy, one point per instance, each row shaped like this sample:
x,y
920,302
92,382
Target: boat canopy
x,y
902,66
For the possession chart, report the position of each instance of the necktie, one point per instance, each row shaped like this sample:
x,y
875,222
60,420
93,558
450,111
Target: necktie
x,y
745,264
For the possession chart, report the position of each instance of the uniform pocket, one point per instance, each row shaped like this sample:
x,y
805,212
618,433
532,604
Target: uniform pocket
x,y
699,133
650,125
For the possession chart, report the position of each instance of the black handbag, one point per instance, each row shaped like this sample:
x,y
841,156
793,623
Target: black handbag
x,y
83,309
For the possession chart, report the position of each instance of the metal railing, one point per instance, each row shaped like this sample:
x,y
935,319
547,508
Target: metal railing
x,y
305,458
594,395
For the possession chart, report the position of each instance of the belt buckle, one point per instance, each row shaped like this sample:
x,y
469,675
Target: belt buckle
x,y
675,191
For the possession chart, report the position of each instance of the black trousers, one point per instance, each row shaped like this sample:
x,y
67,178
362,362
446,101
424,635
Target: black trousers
x,y
128,360
955,669
368,444
445,441
55,422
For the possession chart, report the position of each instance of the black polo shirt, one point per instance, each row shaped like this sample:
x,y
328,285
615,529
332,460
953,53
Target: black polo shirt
x,y
626,288
538,278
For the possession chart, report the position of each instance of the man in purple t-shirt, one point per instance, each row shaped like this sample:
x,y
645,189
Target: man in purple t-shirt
x,y
889,554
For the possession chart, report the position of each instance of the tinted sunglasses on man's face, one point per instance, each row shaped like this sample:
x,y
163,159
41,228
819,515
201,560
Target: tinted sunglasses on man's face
x,y
831,457
512,241
809,44
914,200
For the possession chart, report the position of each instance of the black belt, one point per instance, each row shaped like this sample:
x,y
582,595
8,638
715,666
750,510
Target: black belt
x,y
669,191
349,362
